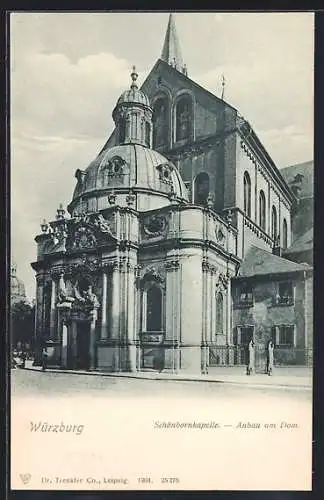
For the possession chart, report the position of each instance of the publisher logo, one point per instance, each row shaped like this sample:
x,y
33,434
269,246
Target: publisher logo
x,y
25,478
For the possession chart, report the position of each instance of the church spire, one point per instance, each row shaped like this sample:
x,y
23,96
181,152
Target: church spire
x,y
171,52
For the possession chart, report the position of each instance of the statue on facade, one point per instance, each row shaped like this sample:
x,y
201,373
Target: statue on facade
x,y
86,298
159,125
62,296
183,129
101,223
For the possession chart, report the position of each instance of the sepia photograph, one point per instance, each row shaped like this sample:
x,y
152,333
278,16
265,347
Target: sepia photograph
x,y
161,287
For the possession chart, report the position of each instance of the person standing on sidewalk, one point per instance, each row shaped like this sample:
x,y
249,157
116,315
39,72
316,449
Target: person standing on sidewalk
x,y
44,359
270,357
251,360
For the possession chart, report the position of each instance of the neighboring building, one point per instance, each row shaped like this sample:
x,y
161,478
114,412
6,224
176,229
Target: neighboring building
x,y
17,287
146,270
272,300
300,178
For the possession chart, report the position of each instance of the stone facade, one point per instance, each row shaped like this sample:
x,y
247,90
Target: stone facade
x,y
144,270
285,320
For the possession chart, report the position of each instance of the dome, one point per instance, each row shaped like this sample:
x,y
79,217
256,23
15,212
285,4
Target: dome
x,y
125,167
133,95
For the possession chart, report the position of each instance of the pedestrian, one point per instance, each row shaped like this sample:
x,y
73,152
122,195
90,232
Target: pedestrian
x,y
270,357
251,363
23,359
44,359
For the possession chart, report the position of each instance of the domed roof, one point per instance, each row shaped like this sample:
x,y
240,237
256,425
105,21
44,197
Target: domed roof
x,y
134,94
130,166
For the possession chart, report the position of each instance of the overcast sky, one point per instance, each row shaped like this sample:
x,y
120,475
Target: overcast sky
x,y
68,69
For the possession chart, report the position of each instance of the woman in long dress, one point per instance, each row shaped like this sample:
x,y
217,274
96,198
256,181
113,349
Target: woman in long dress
x,y
270,357
251,359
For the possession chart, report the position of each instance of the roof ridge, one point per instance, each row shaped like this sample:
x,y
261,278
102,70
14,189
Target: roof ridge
x,y
277,258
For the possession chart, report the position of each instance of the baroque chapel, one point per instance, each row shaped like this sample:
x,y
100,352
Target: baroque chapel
x,y
171,254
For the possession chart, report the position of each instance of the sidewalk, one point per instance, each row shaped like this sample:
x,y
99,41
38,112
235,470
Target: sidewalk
x,y
289,378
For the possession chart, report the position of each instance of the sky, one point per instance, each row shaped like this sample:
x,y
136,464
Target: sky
x,y
68,70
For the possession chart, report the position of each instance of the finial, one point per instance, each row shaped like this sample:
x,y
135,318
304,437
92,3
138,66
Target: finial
x,y
223,86
60,212
134,77
44,226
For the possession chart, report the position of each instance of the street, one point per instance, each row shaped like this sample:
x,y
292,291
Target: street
x,y
29,383
90,427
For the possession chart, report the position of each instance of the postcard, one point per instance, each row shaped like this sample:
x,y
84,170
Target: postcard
x,y
162,234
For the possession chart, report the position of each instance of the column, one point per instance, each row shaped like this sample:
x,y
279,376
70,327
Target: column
x,y
131,335
104,326
64,348
39,324
213,308
177,277
137,316
74,345
229,329
205,276
92,349
174,315
208,306
115,309
115,315
53,309
192,277
229,314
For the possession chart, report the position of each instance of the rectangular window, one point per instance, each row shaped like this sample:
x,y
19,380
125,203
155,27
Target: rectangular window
x,y
285,335
246,334
246,296
285,293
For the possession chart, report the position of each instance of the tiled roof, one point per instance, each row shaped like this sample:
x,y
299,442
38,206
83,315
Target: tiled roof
x,y
259,262
306,169
302,244
303,219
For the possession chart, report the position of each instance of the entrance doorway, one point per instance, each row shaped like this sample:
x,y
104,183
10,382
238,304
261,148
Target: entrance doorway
x,y
83,345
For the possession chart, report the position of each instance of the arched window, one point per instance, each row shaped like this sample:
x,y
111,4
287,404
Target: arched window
x,y
201,188
274,228
247,194
154,309
262,210
284,234
219,313
183,118
147,134
160,122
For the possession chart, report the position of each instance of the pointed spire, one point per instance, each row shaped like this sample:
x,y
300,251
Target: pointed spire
x,y
171,52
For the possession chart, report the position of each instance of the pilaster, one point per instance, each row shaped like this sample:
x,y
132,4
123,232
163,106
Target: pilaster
x,y
115,309
104,306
